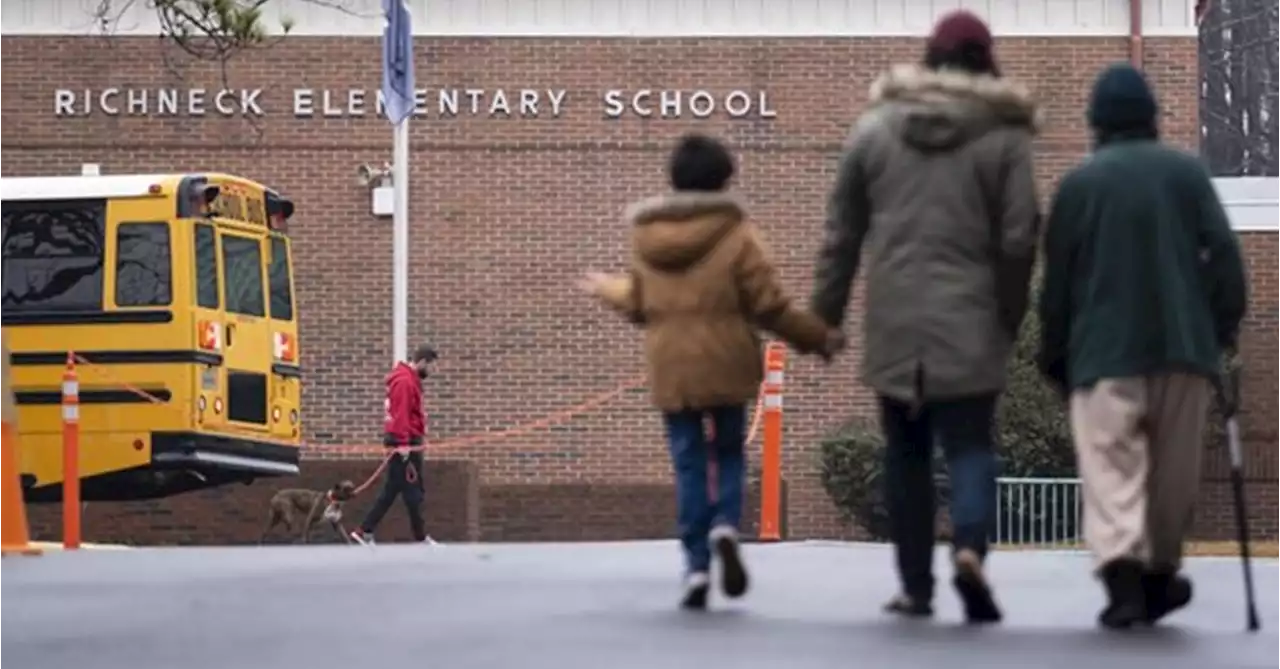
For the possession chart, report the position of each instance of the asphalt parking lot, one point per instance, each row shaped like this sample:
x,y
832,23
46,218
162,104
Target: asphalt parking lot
x,y
597,606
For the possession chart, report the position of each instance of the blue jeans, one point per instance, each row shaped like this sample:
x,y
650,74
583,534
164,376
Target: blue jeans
x,y
963,429
690,453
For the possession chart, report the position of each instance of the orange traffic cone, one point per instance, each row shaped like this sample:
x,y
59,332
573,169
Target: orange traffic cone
x,y
14,537
13,512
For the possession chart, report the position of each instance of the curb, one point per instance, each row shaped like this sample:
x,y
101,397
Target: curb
x,y
56,546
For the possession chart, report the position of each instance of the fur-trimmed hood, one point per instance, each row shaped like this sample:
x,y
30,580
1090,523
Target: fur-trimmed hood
x,y
943,109
675,230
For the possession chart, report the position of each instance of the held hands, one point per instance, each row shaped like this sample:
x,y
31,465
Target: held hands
x,y
834,344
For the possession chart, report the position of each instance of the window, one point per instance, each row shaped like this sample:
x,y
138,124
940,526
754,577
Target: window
x,y
242,265
53,255
143,264
206,267
278,274
247,397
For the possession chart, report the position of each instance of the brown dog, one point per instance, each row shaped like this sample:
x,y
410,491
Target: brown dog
x,y
311,507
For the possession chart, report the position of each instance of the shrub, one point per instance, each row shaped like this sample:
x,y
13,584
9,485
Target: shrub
x,y
1032,432
1031,422
1215,437
852,475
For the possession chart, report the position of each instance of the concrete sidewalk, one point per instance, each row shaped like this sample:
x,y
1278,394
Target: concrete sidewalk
x,y
594,606
57,546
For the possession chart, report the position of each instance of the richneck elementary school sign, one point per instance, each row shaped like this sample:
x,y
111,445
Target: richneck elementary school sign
x,y
430,103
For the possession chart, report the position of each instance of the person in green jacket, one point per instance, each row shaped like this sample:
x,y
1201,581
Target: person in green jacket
x,y
1144,288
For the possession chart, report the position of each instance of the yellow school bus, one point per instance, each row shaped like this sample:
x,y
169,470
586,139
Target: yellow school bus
x,y
176,292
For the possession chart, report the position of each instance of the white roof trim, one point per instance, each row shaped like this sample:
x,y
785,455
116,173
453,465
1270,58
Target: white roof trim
x,y
649,32
78,187
1252,203
639,18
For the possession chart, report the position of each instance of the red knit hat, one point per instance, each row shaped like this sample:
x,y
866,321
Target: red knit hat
x,y
960,29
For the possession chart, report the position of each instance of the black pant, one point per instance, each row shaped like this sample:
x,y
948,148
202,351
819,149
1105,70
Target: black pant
x,y
963,429
403,479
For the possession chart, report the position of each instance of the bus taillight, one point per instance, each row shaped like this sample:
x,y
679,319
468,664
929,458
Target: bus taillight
x,y
210,335
284,348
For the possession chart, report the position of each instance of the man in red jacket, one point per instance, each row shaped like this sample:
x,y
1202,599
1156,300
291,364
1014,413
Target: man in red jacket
x,y
405,429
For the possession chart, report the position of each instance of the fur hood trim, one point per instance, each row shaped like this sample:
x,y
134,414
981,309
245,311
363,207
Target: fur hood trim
x,y
1010,102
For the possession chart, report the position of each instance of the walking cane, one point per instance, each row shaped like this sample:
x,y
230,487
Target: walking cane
x,y
1227,388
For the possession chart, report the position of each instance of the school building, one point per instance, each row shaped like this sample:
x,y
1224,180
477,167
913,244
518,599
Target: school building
x,y
537,122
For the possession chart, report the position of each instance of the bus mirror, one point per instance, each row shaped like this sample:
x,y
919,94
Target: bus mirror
x,y
211,193
279,211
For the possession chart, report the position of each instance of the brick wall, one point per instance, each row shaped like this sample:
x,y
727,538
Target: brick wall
x,y
508,212
238,514
457,508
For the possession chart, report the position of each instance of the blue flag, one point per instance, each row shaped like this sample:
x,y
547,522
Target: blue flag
x,y
397,61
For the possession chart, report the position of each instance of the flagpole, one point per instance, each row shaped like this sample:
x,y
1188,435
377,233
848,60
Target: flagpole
x,y
400,243
398,89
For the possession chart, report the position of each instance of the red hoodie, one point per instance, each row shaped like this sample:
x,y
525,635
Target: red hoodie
x,y
405,422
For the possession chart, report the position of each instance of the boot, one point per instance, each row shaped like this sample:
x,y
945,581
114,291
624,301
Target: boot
x,y
975,593
1165,592
1126,599
733,573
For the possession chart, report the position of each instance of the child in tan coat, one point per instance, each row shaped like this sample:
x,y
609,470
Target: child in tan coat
x,y
701,284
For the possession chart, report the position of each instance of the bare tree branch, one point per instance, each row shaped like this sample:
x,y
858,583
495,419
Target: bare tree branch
x,y
107,15
211,31
1238,96
1255,45
214,30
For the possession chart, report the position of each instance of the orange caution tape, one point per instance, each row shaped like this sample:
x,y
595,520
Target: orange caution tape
x,y
456,442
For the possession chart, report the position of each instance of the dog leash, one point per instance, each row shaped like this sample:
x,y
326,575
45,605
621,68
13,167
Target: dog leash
x,y
410,475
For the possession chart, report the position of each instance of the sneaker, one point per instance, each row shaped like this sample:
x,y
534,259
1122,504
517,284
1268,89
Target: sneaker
x,y
696,587
975,593
908,607
1126,599
1165,593
362,538
429,541
733,574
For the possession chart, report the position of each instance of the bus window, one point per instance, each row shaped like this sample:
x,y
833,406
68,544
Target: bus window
x,y
143,265
206,267
278,274
53,255
242,267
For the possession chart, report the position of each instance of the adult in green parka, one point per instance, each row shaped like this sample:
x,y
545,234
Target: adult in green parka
x,y
935,199
1143,289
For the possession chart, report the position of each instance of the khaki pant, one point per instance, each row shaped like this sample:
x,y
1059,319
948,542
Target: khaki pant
x,y
1138,448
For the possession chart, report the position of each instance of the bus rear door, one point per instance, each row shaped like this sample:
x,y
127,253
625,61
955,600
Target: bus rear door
x,y
231,315
246,332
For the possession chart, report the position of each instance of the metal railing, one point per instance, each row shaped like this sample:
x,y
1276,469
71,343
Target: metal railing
x,y
1038,511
